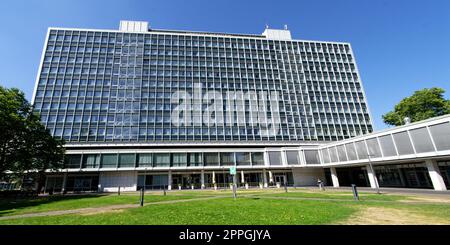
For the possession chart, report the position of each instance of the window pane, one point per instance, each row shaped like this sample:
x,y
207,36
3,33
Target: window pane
x,y
292,157
227,158
333,155
242,158
325,156
374,148
91,161
109,161
362,150
211,159
145,160
441,136
341,153
257,158
312,157
387,145
195,159
179,159
403,143
126,160
161,159
275,158
351,151
421,139
73,161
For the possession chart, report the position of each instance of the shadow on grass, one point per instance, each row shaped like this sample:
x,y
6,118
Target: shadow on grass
x,y
9,205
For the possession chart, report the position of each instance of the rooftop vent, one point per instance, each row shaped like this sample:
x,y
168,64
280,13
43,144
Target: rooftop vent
x,y
277,34
133,26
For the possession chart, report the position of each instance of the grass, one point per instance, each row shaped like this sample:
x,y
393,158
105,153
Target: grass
x,y
53,203
252,207
364,196
243,211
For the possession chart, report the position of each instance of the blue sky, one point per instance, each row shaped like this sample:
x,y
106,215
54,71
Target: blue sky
x,y
400,46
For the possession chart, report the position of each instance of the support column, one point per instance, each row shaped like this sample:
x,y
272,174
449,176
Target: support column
x,y
64,183
265,179
45,185
169,181
334,177
270,177
99,186
372,177
214,180
435,175
202,178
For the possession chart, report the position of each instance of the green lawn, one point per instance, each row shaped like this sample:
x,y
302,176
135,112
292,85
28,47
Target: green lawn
x,y
252,207
52,203
243,211
363,196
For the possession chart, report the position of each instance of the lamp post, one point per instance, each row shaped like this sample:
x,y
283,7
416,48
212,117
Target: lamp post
x,y
374,175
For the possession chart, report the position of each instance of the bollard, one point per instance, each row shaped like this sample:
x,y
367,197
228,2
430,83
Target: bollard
x,y
355,192
322,188
234,186
142,197
118,191
285,184
164,190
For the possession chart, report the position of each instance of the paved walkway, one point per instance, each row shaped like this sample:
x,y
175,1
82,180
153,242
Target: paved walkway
x,y
102,209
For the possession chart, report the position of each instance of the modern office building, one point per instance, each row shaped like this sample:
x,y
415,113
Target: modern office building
x,y
143,107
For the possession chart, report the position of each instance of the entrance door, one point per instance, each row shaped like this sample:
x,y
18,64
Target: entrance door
x,y
54,184
411,178
186,181
279,180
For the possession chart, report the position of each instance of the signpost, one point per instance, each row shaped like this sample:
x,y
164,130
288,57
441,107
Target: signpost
x,y
233,173
355,192
141,203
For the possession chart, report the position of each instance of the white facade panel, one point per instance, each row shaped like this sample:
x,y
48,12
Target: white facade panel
x,y
307,176
277,34
110,181
133,26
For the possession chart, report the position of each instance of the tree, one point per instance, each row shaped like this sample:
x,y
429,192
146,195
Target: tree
x,y
13,110
43,151
26,146
423,104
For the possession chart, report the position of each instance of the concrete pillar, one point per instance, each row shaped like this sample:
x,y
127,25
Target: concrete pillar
x,y
100,187
270,177
169,181
265,179
45,185
435,175
334,177
64,183
214,180
372,177
202,179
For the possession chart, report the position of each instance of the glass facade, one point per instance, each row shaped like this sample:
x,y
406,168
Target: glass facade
x,y
423,139
132,160
114,86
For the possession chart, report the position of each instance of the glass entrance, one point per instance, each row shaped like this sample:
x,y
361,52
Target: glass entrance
x,y
186,181
54,184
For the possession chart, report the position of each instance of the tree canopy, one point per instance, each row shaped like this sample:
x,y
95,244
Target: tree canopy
x,y
423,104
25,144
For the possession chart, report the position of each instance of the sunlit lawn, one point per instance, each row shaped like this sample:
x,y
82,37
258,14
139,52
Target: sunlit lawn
x,y
253,206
